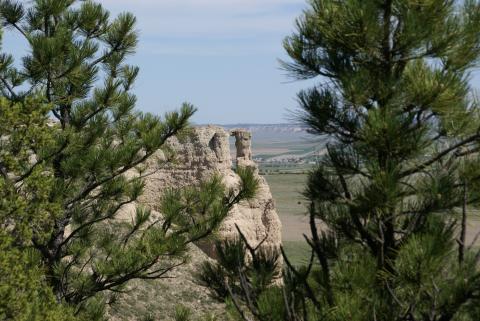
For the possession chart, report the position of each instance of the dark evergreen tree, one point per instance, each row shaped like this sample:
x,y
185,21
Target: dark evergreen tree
x,y
76,65
390,199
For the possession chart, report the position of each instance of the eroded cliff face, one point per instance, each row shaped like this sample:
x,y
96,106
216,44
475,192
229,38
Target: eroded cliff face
x,y
202,153
199,155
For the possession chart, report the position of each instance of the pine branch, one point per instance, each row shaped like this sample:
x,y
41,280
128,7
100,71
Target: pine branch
x,y
41,161
64,277
322,258
439,156
109,283
463,227
303,277
92,222
467,152
245,285
236,303
159,273
91,65
119,172
9,88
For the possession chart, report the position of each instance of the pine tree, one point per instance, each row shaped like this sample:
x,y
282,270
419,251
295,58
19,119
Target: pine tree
x,y
390,199
24,294
76,65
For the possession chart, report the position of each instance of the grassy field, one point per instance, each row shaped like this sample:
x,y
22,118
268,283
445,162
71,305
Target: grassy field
x,y
284,168
298,252
290,204
287,181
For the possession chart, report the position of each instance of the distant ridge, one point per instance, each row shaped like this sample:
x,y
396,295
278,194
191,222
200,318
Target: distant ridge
x,y
271,128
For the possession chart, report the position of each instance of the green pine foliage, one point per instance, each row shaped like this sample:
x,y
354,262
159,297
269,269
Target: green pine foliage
x,y
390,199
244,275
24,208
24,294
71,178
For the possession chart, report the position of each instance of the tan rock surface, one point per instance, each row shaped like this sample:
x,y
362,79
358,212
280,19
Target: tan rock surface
x,y
199,155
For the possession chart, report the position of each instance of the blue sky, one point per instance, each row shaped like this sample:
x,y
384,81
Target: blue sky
x,y
220,55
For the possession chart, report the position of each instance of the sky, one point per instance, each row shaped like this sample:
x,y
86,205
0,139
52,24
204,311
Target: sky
x,y
219,55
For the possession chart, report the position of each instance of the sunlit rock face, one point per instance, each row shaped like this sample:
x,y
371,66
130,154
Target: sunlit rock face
x,y
202,153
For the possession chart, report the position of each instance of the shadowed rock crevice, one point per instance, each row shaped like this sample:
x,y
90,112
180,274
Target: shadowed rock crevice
x,y
215,145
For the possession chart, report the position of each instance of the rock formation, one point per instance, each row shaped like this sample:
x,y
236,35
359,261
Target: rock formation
x,y
202,153
243,144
